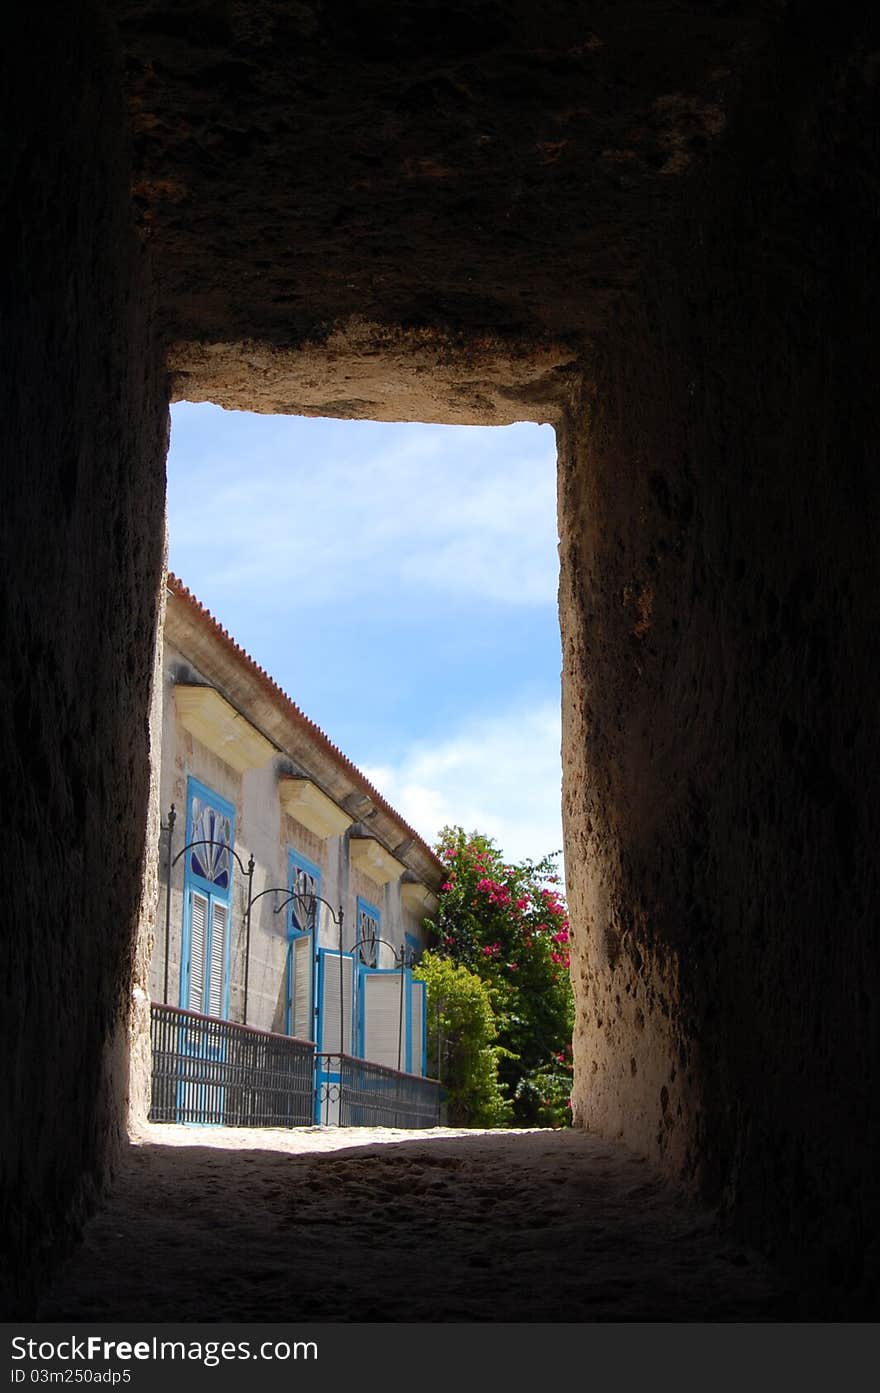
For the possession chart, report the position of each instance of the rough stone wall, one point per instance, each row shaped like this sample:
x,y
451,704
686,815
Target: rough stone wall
x,y
719,502
471,195
83,418
402,209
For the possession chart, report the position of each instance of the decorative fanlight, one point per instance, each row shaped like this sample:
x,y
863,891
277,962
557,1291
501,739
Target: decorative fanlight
x,y
209,851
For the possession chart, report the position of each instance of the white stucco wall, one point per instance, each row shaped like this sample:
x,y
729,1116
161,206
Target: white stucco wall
x,y
265,831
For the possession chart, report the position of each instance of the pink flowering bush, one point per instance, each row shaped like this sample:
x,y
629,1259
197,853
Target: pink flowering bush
x,y
508,924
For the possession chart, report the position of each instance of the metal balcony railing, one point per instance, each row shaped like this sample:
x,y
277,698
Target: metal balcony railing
x,y
216,1072
358,1093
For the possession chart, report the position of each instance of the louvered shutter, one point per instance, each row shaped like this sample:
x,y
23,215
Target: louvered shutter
x,y
416,1063
384,1039
302,1023
330,1003
219,919
198,932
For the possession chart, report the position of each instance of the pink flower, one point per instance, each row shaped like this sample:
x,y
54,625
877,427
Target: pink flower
x,y
552,901
496,894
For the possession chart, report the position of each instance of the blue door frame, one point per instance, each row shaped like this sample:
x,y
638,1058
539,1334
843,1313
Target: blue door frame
x,y
328,987
301,873
207,877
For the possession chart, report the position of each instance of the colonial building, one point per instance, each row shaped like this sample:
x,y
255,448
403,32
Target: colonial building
x,y
292,895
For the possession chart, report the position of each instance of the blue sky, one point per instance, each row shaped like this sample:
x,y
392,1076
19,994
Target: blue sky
x,y
399,583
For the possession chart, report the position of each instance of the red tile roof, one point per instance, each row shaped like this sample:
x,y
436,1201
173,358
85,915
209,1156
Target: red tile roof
x,y
290,709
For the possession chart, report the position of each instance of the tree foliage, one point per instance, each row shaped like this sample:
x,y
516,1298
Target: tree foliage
x,y
508,924
462,1052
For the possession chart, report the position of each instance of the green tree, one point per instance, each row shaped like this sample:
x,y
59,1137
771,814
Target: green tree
x,y
461,1049
508,923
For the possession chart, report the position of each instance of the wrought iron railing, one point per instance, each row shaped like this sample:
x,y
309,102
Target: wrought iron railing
x,y
213,1071
358,1093
216,1072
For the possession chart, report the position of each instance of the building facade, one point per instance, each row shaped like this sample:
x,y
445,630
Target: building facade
x,y
292,895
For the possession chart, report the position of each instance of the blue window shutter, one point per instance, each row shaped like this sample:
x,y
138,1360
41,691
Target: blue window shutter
x,y
198,934
204,967
216,973
329,1005
417,1037
384,1033
302,1022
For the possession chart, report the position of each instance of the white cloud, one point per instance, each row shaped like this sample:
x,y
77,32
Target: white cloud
x,y
499,775
281,524
451,511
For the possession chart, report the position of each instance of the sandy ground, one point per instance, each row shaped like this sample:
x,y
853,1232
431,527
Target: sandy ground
x,y
359,1224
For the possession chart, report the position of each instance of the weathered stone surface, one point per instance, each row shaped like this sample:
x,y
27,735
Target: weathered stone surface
x,y
411,209
652,224
448,1225
720,574
83,417
368,371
